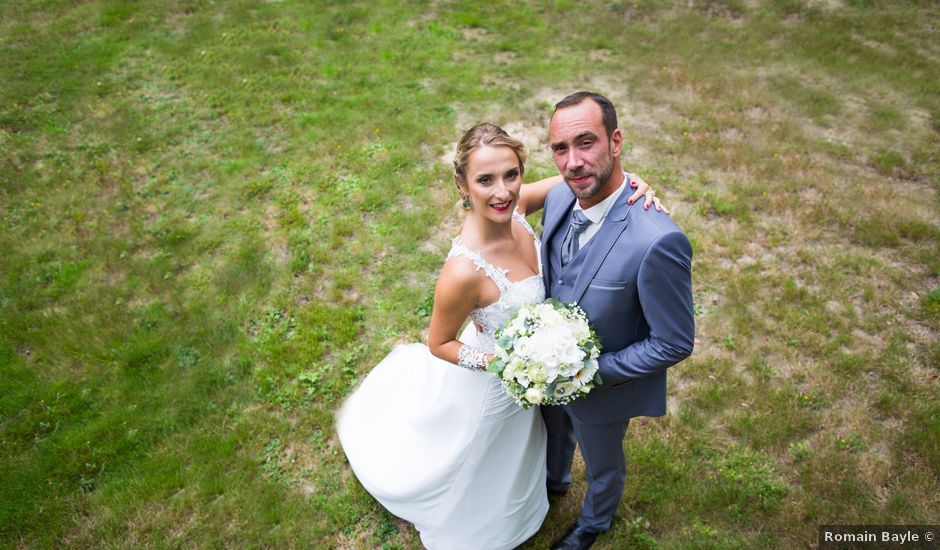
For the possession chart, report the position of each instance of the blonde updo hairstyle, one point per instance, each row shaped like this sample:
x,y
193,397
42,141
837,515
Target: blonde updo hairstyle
x,y
484,134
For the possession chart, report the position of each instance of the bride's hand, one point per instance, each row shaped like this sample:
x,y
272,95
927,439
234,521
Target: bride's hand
x,y
643,189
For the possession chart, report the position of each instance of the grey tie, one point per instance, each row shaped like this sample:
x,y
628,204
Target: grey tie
x,y
577,225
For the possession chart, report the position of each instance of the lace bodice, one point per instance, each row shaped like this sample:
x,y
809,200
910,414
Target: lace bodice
x,y
512,294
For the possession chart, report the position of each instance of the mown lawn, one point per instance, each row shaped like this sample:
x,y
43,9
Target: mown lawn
x,y
215,217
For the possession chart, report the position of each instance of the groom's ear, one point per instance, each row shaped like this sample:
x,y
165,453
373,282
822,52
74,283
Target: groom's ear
x,y
616,142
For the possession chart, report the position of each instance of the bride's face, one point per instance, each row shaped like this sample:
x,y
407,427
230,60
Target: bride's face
x,y
494,178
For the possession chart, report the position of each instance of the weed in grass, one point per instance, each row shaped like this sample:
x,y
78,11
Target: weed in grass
x,y
271,458
813,399
187,357
706,537
800,450
747,480
850,443
932,303
427,305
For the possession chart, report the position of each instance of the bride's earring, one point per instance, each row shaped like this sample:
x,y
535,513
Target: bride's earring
x,y
466,201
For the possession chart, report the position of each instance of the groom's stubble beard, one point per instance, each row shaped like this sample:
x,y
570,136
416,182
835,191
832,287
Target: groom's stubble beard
x,y
601,174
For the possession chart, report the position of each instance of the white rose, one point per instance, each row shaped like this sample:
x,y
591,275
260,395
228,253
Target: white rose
x,y
536,374
523,347
534,396
551,317
541,310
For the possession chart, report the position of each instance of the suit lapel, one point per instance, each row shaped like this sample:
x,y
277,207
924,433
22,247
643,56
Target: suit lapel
x,y
600,246
553,220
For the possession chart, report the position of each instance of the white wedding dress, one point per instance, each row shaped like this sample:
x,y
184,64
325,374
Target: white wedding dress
x,y
446,448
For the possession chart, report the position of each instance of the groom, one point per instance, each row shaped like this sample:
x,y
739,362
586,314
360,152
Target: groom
x,y
630,269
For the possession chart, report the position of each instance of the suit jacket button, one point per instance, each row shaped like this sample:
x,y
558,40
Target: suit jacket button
x,y
561,282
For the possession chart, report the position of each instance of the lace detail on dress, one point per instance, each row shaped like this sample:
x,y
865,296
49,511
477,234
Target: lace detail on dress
x,y
512,294
496,274
471,358
525,223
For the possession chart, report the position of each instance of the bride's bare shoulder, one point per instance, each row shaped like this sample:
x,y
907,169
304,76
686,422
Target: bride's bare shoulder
x,y
459,268
459,282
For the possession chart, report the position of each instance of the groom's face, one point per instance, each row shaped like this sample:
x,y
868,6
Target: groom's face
x,y
582,152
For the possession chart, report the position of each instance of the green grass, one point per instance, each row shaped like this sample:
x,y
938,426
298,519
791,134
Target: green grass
x,y
215,218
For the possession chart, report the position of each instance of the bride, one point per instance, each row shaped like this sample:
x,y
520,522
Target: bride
x,y
445,447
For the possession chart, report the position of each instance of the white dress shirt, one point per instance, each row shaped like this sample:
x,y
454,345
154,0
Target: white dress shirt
x,y
598,213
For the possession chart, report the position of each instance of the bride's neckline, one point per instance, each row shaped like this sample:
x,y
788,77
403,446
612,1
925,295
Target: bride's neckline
x,y
525,225
502,270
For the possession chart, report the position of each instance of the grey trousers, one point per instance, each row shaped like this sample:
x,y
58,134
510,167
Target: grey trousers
x,y
604,460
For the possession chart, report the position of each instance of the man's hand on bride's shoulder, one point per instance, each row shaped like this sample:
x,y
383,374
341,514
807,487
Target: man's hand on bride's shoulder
x,y
643,189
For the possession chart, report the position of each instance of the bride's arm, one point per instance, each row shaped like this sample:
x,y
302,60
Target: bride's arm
x,y
456,294
644,189
532,195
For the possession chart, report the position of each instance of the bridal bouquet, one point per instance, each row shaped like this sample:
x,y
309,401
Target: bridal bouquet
x,y
547,354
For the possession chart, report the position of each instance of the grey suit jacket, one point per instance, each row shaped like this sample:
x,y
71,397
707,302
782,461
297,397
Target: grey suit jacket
x,y
634,281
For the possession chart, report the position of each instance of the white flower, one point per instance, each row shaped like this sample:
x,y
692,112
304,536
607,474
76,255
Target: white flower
x,y
565,389
581,331
524,347
517,327
585,375
541,310
515,371
536,374
534,395
550,317
554,345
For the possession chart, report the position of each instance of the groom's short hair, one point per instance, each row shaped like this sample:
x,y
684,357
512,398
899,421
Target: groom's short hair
x,y
608,113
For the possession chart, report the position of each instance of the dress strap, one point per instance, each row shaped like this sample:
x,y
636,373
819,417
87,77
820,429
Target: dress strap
x,y
497,275
516,215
